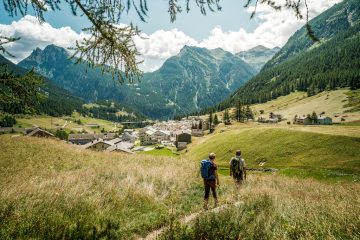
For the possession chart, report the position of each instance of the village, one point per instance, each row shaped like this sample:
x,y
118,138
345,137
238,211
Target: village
x,y
174,135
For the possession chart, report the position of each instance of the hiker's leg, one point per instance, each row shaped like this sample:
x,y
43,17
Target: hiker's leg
x,y
207,193
207,189
214,194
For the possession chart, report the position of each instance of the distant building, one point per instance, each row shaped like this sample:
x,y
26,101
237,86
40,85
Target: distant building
x,y
183,137
38,132
161,135
146,136
270,120
277,116
323,120
81,139
124,147
127,137
306,120
98,145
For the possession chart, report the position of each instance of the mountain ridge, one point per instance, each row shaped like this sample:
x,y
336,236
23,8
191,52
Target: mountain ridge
x,y
313,67
158,95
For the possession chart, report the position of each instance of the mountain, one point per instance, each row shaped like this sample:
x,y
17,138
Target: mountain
x,y
257,57
194,79
198,77
304,65
58,101
340,17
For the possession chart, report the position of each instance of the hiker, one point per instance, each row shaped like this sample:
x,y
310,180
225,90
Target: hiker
x,y
211,178
238,168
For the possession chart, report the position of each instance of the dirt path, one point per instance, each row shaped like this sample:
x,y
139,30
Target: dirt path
x,y
187,219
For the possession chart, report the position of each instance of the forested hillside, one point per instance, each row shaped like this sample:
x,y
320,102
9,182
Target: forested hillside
x,y
333,62
194,79
52,100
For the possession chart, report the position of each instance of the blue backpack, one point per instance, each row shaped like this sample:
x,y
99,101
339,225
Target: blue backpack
x,y
205,170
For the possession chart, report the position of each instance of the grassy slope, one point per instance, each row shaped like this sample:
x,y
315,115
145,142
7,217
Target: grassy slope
x,y
332,103
295,152
47,122
50,189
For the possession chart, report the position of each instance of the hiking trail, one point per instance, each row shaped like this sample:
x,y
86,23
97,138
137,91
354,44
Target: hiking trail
x,y
186,219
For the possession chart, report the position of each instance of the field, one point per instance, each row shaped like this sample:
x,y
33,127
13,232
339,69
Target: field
x,y
337,104
68,123
54,190
295,151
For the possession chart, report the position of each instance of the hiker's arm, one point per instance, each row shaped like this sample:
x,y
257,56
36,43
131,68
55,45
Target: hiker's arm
x,y
217,177
244,172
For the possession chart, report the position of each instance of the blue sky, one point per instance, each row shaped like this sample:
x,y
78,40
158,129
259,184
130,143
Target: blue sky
x,y
194,24
231,29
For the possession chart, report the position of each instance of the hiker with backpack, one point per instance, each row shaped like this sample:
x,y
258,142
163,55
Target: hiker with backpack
x,y
211,179
238,168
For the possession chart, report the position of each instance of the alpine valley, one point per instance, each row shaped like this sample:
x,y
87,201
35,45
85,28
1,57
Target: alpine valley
x,y
194,79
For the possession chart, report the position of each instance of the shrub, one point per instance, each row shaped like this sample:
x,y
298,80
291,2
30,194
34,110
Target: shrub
x,y
7,121
63,135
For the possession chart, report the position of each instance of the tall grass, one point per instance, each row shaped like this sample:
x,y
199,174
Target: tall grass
x,y
52,190
275,207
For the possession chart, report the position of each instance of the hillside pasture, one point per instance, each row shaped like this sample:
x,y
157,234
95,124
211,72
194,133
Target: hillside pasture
x,y
295,153
335,104
68,123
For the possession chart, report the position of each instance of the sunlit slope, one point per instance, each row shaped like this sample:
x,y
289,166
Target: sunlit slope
x,y
69,123
332,103
284,149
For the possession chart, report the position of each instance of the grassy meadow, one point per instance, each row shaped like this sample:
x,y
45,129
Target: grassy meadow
x,y
67,123
295,153
339,104
53,190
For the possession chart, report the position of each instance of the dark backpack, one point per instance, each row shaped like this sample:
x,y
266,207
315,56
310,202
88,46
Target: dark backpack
x,y
206,171
236,165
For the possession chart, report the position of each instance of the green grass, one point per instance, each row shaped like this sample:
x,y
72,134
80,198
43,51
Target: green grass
x,y
274,207
160,152
286,149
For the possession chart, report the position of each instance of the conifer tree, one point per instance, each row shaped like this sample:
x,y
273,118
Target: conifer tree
x,y
216,120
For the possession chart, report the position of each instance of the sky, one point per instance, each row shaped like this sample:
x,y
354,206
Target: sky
x,y
230,29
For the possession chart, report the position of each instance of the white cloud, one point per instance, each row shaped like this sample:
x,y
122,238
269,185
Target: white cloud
x,y
33,34
274,28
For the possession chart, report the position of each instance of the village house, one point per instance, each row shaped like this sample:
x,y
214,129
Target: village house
x,y
124,147
146,136
182,139
38,132
98,145
84,138
306,120
270,120
323,120
127,137
161,135
277,116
